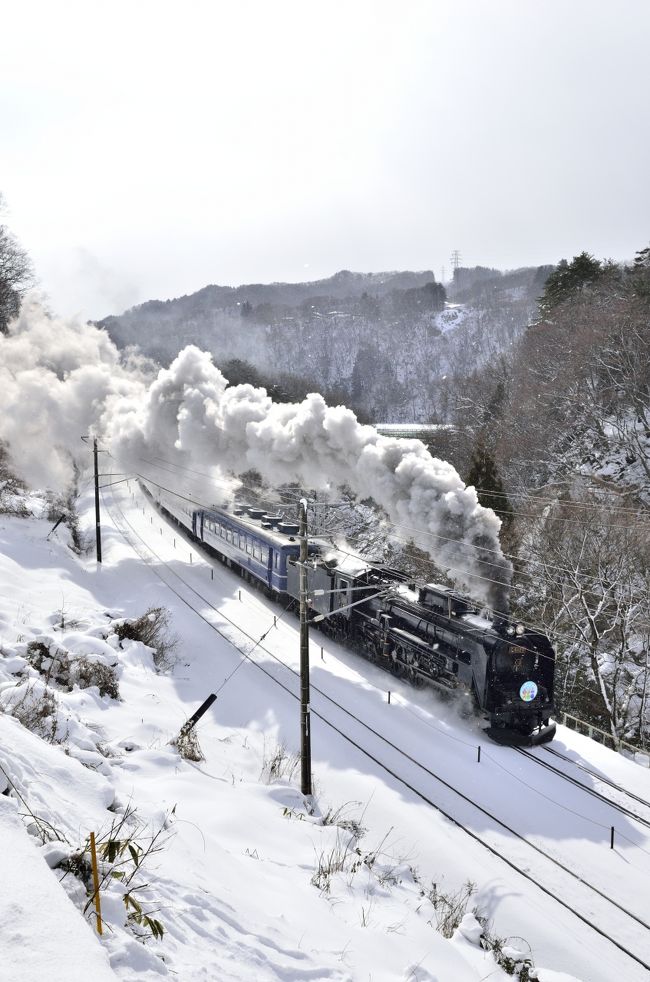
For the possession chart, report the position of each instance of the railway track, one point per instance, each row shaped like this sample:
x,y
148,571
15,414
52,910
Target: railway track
x,y
616,805
597,776
603,910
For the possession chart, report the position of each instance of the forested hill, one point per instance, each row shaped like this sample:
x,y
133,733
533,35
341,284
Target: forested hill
x,y
559,436
385,343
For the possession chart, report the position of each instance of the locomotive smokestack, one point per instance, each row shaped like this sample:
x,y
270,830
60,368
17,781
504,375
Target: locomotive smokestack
x,y
500,593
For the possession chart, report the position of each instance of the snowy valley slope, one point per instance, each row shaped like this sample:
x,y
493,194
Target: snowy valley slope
x,y
245,885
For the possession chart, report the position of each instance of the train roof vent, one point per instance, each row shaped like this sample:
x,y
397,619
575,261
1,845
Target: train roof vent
x,y
241,510
256,512
272,519
289,528
267,525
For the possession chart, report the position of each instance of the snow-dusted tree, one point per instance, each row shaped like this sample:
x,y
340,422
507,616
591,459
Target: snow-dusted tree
x,y
642,259
16,274
568,278
592,594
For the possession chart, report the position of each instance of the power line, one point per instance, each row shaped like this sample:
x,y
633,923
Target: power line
x,y
410,579
531,496
516,559
484,562
295,495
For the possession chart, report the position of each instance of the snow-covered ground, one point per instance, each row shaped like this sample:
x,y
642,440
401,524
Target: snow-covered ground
x,y
243,883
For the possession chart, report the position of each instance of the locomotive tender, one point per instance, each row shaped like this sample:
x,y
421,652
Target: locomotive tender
x,y
431,635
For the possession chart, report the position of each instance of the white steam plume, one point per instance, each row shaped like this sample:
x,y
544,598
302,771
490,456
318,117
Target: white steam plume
x,y
61,379
56,378
191,412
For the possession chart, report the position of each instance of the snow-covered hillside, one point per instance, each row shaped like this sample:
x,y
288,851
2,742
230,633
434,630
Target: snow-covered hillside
x,y
385,341
251,880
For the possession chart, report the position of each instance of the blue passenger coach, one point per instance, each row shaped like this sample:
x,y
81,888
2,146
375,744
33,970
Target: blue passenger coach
x,y
259,543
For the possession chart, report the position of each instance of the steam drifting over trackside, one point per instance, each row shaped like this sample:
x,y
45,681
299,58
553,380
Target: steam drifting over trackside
x,y
60,379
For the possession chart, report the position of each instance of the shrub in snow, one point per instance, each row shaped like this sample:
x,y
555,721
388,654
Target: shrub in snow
x,y
343,857
87,672
152,629
65,506
281,765
12,497
35,706
67,669
187,744
340,817
450,908
473,928
122,852
511,959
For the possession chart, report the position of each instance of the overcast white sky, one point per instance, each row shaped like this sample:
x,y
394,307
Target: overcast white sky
x,y
150,148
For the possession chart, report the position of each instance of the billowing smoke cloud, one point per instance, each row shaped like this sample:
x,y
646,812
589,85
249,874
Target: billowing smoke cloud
x,y
191,411
56,378
59,380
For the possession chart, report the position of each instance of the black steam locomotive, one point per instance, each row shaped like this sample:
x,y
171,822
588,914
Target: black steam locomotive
x,y
427,635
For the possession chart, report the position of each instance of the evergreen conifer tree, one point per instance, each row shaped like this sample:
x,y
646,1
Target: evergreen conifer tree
x,y
484,476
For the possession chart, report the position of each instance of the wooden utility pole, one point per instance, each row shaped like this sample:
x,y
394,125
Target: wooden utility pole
x,y
98,529
305,732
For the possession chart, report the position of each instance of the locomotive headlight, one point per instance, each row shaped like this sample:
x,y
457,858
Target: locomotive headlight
x,y
520,629
510,630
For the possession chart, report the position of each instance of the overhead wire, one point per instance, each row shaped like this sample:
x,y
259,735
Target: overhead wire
x,y
453,569
506,492
533,496
543,565
551,633
406,578
426,532
377,566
